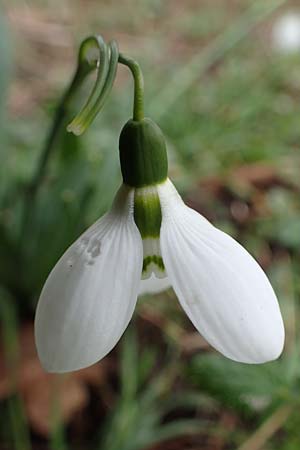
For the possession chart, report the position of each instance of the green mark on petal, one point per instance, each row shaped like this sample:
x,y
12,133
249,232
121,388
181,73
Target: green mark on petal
x,y
147,212
157,260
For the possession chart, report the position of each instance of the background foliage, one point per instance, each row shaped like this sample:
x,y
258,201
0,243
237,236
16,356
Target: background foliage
x,y
228,103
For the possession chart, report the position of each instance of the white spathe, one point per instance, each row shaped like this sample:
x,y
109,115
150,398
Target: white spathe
x,y
90,295
220,286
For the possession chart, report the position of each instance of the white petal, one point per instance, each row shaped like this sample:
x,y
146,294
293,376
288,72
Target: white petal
x,y
154,285
90,295
221,287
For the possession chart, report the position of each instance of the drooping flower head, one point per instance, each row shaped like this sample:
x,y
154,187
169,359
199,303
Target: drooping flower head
x,y
149,241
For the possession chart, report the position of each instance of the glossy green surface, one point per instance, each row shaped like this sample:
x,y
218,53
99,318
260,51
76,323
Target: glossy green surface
x,y
143,153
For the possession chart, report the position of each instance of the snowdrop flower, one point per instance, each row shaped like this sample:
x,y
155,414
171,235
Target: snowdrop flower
x,y
286,33
150,240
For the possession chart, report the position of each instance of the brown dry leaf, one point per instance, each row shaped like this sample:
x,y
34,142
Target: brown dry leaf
x,y
42,391
183,443
200,199
258,175
51,399
188,341
227,422
192,342
44,53
36,25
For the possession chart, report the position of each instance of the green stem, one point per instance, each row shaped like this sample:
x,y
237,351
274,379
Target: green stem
x,y
48,148
86,63
258,440
138,106
59,118
57,433
16,414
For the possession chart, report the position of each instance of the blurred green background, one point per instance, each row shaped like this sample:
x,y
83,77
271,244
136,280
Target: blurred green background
x,y
228,100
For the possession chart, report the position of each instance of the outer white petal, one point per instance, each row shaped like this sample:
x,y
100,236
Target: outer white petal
x,y
221,287
154,285
90,295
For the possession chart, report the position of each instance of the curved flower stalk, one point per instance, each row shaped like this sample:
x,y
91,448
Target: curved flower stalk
x,y
148,241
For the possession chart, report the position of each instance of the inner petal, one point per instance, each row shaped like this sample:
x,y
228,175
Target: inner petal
x,y
147,216
152,262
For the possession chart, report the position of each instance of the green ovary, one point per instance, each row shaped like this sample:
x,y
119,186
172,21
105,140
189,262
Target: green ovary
x,y
143,154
